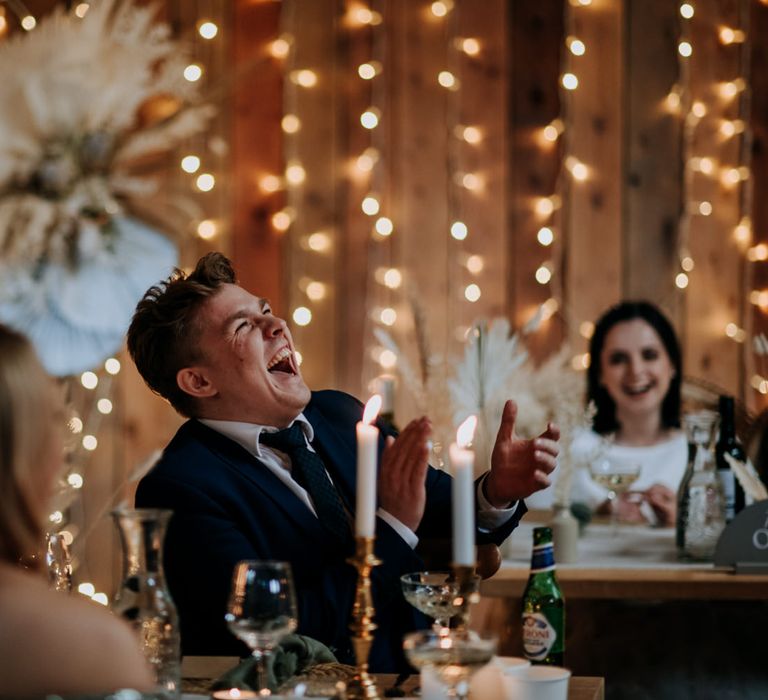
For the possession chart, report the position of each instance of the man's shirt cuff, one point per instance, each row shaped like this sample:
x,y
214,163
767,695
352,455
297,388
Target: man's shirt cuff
x,y
488,517
410,537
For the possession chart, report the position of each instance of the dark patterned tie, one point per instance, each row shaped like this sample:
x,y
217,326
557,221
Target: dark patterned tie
x,y
309,471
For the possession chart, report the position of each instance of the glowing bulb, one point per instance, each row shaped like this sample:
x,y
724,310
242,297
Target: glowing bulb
x,y
545,236
758,253
388,316
472,293
87,589
743,232
279,48
471,134
282,220
90,442
707,166
100,598
75,425
208,30
295,173
570,81
469,46
316,291
687,263
447,79
705,208
370,118
393,278
89,380
112,366
387,359
56,517
459,230
698,109
475,264
384,226
731,128
28,23
586,329
82,9
319,242
190,164
681,280
550,133
207,229
290,123
544,206
302,316
576,46
370,205
543,274
672,101
75,481
730,89
362,15
731,177
686,10
304,78
368,71
685,49
104,406
731,36
580,172
67,536
472,182
270,183
193,72
440,9
205,182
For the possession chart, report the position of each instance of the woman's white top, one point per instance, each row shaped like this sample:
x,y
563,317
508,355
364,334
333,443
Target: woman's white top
x,y
663,463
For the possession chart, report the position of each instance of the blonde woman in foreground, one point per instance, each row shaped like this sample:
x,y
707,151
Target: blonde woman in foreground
x,y
49,643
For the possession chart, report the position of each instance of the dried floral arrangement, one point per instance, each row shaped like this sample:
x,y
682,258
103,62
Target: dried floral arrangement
x,y
495,366
89,110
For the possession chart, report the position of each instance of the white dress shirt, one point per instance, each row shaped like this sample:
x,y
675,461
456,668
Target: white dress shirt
x,y
247,436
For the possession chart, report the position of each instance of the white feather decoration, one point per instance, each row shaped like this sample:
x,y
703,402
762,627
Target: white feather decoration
x,y
750,482
483,381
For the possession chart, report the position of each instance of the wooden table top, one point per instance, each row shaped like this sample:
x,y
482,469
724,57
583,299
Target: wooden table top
x,y
638,563
196,670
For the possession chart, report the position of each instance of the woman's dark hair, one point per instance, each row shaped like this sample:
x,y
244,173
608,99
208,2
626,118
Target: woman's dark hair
x,y
605,417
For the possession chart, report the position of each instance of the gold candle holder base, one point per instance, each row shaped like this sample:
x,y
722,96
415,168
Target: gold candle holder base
x,y
467,592
363,686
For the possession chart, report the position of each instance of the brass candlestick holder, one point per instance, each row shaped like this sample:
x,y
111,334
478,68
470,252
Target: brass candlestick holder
x,y
362,686
467,592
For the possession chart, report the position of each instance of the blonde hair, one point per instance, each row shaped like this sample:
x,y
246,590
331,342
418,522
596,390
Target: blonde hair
x,y
26,432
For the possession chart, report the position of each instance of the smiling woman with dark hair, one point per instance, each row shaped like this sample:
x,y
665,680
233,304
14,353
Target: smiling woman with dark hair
x,y
634,381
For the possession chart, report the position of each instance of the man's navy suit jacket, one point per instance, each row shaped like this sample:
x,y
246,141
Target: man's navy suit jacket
x,y
229,507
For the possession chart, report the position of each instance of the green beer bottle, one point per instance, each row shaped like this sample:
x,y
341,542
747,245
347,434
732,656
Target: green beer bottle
x,y
543,605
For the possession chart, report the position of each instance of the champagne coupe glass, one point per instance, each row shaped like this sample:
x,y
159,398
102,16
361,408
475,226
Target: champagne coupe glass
x,y
437,595
616,475
262,610
454,654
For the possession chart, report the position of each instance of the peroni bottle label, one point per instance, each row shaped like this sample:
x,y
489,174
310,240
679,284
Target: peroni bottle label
x,y
539,636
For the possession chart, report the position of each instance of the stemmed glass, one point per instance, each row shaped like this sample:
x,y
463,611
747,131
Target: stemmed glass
x,y
262,610
436,594
617,476
454,654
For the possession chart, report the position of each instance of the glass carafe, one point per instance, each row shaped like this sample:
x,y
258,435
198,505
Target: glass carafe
x,y
143,598
700,501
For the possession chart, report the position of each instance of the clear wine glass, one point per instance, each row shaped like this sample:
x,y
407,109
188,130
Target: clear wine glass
x,y
455,655
616,475
262,610
437,595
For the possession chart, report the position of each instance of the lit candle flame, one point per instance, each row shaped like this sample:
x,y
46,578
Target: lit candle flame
x,y
466,431
372,409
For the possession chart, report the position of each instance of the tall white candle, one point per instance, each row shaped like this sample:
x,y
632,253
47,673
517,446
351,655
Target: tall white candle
x,y
462,463
367,452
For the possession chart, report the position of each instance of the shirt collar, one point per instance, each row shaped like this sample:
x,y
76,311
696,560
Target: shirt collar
x,y
247,434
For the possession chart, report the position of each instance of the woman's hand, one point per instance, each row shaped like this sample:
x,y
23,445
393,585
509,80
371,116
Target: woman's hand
x,y
664,503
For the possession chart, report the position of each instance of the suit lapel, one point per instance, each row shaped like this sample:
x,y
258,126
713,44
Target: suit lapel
x,y
253,471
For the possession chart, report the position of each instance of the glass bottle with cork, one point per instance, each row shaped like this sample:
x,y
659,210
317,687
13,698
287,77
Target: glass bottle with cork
x,y
727,444
543,605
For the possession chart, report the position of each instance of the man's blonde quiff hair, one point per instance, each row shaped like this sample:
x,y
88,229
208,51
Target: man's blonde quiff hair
x,y
26,431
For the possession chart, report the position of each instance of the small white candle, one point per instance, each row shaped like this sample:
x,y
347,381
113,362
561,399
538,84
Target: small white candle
x,y
462,463
367,453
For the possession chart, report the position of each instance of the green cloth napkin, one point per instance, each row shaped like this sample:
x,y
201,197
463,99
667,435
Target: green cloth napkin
x,y
293,656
